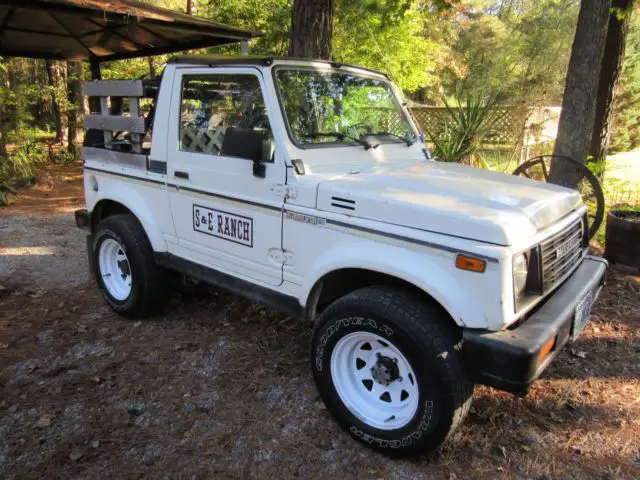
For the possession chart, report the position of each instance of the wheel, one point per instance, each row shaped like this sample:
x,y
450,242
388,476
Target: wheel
x,y
386,366
126,271
540,168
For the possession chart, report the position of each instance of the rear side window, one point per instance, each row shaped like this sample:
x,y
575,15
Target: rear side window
x,y
215,107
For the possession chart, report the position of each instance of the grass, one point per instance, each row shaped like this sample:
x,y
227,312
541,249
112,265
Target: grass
x,y
621,187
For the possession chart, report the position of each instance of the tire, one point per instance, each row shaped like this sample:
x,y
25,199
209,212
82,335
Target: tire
x,y
430,394
121,239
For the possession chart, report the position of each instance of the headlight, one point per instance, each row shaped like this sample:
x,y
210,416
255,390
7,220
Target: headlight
x,y
520,271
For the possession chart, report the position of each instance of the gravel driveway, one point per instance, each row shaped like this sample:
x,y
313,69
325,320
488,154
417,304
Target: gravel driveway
x,y
219,387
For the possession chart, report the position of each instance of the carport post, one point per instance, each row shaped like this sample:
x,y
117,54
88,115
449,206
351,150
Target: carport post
x,y
96,73
94,136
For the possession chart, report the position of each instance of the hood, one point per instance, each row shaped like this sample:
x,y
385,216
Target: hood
x,y
449,198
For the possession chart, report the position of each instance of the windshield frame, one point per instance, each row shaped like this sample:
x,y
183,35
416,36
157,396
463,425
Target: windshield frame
x,y
346,70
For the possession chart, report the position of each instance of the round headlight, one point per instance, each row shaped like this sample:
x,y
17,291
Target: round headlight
x,y
520,271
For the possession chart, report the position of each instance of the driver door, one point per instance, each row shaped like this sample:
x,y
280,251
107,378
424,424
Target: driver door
x,y
225,217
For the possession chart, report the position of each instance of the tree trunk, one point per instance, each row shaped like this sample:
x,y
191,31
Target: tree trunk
x,y
609,78
311,29
4,78
57,72
578,106
76,104
152,68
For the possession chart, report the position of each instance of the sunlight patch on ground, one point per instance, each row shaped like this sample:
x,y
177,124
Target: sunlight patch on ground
x,y
27,251
625,166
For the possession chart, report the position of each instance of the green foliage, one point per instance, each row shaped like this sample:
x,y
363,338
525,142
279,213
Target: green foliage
x,y
468,123
626,131
390,36
20,166
270,17
521,47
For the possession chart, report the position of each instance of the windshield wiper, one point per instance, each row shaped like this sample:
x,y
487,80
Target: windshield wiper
x,y
342,136
406,140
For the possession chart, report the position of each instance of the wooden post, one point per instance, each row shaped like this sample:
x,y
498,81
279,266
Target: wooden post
x,y
104,110
134,111
94,137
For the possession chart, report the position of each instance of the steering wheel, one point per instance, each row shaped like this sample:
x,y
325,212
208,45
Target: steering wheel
x,y
539,168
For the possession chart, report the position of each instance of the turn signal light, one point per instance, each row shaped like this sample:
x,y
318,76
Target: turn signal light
x,y
463,262
544,351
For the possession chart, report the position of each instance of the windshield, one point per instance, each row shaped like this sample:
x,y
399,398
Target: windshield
x,y
333,107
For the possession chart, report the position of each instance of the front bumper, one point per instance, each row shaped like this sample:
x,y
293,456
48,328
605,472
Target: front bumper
x,y
511,360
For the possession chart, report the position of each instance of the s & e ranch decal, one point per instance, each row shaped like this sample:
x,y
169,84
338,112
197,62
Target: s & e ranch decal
x,y
225,225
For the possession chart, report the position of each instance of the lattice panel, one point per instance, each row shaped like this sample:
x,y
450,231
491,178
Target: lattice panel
x,y
202,140
508,129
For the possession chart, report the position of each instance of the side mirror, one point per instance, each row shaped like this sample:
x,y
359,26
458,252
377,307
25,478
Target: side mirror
x,y
268,147
259,167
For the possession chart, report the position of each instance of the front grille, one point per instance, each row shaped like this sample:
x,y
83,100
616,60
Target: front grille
x,y
560,254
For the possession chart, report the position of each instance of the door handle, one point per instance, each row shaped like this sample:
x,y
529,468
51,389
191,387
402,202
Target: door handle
x,y
181,174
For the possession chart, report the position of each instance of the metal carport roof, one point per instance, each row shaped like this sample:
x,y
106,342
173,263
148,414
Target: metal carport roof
x,y
100,31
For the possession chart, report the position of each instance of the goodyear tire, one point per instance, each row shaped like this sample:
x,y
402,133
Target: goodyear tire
x,y
386,366
133,284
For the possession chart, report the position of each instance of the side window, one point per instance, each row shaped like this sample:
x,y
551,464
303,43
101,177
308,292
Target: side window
x,y
224,115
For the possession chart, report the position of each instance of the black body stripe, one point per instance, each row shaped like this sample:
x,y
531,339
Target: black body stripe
x,y
225,197
411,240
329,221
133,177
188,189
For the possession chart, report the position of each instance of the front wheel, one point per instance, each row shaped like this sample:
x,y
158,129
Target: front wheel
x,y
387,368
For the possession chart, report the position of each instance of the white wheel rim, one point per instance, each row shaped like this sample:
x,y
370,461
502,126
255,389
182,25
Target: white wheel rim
x,y
115,269
385,407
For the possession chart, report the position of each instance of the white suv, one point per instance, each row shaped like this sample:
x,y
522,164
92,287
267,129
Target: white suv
x,y
306,186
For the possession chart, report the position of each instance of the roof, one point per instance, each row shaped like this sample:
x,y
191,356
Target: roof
x,y
104,30
260,61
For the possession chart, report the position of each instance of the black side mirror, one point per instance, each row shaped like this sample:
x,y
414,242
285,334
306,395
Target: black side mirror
x,y
266,155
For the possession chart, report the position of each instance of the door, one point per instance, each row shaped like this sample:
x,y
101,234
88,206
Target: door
x,y
225,217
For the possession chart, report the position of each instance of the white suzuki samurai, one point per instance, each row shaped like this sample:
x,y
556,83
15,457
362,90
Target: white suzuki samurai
x,y
305,185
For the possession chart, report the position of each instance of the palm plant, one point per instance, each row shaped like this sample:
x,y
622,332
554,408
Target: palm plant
x,y
467,124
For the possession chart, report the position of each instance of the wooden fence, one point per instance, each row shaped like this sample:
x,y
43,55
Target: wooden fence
x,y
516,128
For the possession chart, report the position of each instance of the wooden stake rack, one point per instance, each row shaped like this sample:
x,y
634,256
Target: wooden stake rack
x,y
110,118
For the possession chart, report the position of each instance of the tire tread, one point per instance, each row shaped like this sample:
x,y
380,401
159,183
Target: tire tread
x,y
430,322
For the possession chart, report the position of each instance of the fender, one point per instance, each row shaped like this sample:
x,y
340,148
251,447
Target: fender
x,y
416,268
134,201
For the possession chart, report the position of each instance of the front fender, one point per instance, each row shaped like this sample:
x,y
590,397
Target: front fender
x,y
135,201
433,274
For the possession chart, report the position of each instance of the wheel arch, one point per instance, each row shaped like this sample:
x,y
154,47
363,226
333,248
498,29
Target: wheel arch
x,y
360,266
109,206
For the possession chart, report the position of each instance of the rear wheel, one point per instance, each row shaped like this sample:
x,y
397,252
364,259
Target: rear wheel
x,y
133,284
386,366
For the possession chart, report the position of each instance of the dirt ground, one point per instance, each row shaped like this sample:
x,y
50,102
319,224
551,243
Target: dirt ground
x,y
219,387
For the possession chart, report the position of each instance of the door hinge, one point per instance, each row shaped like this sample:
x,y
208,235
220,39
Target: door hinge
x,y
284,191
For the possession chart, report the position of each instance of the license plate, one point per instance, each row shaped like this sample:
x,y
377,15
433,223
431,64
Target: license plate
x,y
581,316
